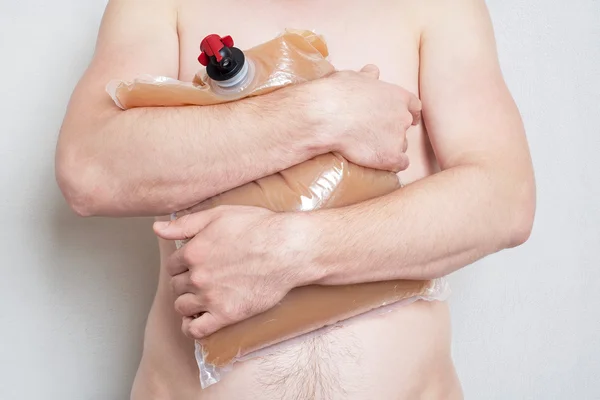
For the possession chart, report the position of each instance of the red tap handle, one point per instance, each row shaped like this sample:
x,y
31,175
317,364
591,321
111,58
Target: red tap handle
x,y
211,46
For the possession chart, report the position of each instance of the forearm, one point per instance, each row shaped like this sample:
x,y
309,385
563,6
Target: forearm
x,y
483,201
153,161
425,230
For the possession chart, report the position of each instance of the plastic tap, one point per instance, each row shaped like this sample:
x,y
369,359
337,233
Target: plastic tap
x,y
222,61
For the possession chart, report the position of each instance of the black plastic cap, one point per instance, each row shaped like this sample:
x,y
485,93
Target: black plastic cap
x,y
231,64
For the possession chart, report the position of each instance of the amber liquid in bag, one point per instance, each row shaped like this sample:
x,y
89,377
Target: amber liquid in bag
x,y
326,181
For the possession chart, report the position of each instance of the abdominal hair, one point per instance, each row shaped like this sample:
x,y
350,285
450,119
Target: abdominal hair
x,y
309,370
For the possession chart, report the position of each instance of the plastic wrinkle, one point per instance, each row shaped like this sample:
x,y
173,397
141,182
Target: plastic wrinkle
x,y
325,181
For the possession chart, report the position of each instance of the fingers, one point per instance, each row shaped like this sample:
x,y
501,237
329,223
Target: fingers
x,y
415,108
401,163
182,284
414,104
189,305
370,70
187,226
395,155
198,328
180,261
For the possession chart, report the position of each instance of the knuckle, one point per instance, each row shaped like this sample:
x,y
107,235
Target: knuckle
x,y
209,297
189,255
403,163
418,104
179,306
408,117
396,162
191,333
195,331
171,263
184,329
231,313
189,330
197,279
396,157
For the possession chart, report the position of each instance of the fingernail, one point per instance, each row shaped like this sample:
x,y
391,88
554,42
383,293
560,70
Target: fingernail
x,y
160,225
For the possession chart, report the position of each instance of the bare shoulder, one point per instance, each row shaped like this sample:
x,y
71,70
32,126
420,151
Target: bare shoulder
x,y
126,17
135,37
470,114
462,15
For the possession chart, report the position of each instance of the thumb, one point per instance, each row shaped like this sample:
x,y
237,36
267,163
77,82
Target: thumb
x,y
370,70
185,227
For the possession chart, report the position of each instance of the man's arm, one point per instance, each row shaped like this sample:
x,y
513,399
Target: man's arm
x,y
241,261
481,202
155,161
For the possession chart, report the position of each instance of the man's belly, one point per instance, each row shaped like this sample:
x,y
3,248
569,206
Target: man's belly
x,y
400,354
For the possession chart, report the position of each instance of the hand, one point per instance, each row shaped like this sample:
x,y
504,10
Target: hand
x,y
367,119
236,264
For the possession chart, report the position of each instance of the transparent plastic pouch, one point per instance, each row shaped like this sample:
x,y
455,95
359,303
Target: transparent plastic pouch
x,y
234,344
326,181
295,56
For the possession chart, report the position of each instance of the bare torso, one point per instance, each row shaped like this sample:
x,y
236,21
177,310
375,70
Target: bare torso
x,y
404,354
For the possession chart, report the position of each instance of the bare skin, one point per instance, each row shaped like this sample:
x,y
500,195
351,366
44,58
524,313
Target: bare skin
x,y
471,187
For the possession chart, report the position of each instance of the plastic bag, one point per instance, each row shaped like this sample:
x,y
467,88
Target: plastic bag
x,y
296,56
326,181
305,312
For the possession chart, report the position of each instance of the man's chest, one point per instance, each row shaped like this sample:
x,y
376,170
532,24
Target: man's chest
x,y
356,32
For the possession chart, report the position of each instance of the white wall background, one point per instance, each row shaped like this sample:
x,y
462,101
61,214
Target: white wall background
x,y
74,293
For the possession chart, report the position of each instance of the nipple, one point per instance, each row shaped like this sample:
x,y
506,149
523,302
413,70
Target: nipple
x,y
225,65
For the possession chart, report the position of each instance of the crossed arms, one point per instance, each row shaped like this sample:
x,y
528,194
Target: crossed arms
x,y
155,161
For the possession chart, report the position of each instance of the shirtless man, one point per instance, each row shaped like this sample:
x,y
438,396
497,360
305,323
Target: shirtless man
x,y
470,189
